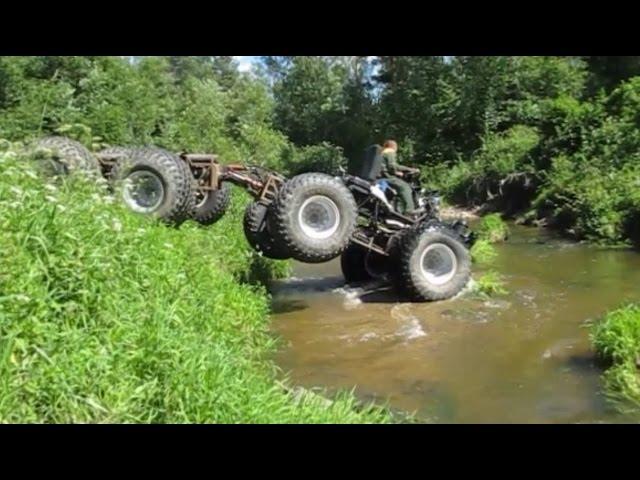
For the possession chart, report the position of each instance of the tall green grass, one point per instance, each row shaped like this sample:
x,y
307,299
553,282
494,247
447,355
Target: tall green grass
x,y
616,338
493,229
106,316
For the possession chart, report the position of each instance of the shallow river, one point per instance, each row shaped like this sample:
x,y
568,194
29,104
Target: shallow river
x,y
520,358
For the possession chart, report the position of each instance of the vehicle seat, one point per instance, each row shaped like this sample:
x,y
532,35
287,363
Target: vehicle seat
x,y
371,166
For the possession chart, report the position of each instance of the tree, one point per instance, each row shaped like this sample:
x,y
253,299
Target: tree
x,y
608,72
224,70
323,99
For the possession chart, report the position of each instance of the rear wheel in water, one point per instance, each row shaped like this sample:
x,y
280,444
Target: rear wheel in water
x,y
359,264
433,264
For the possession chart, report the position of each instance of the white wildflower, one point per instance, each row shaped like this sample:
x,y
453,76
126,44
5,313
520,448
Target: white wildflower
x,y
30,174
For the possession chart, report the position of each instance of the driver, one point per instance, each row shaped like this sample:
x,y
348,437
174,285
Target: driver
x,y
392,171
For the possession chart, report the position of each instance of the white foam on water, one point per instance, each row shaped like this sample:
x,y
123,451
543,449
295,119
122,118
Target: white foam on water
x,y
499,304
410,326
468,288
351,296
368,336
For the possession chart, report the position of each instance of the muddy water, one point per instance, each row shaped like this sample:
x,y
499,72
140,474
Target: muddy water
x,y
520,358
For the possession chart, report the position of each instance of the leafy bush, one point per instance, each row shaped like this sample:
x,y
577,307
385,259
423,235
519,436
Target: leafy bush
x,y
483,251
616,338
490,284
493,229
502,160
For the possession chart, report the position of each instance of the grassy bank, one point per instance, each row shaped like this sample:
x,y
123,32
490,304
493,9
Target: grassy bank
x,y
106,316
616,338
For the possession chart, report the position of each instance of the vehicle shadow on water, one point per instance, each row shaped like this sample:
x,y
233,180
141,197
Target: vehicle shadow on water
x,y
285,305
380,294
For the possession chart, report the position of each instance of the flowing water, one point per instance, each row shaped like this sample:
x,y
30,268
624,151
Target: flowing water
x,y
524,357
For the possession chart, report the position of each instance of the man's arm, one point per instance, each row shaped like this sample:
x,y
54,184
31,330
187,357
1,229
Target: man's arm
x,y
399,169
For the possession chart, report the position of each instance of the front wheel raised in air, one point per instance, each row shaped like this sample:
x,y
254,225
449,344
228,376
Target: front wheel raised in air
x,y
314,217
154,182
433,264
211,205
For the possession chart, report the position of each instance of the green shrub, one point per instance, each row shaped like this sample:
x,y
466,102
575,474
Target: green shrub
x,y
616,338
493,229
490,284
483,251
503,159
590,200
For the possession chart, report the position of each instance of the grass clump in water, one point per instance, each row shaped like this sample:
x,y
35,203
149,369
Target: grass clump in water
x,y
616,338
110,317
483,252
493,229
490,284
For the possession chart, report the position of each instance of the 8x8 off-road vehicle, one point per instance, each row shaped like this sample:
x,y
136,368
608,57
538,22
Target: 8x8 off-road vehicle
x,y
312,217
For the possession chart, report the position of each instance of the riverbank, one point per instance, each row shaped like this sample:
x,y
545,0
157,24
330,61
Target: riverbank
x,y
616,338
109,317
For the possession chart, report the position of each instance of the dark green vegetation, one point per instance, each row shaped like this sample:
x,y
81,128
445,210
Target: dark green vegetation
x,y
617,339
107,316
492,228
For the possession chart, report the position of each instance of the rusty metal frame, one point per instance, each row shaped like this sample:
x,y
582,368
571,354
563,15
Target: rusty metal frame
x,y
213,173
368,243
261,183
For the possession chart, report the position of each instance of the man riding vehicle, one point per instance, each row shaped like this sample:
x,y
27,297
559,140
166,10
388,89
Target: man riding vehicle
x,y
392,172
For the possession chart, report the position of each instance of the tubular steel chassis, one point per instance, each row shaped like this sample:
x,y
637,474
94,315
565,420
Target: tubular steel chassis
x,y
260,183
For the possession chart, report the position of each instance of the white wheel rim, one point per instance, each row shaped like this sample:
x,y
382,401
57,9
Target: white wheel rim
x,y
438,263
201,198
319,217
143,191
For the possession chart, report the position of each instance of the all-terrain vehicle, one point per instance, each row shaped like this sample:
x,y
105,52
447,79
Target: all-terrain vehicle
x,y
312,217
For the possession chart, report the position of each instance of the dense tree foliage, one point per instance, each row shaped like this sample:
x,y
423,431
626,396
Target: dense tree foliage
x,y
554,138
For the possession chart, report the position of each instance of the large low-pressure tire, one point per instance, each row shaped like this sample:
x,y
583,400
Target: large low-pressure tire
x,y
66,156
155,182
314,217
257,233
359,264
211,205
118,154
433,264
352,264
